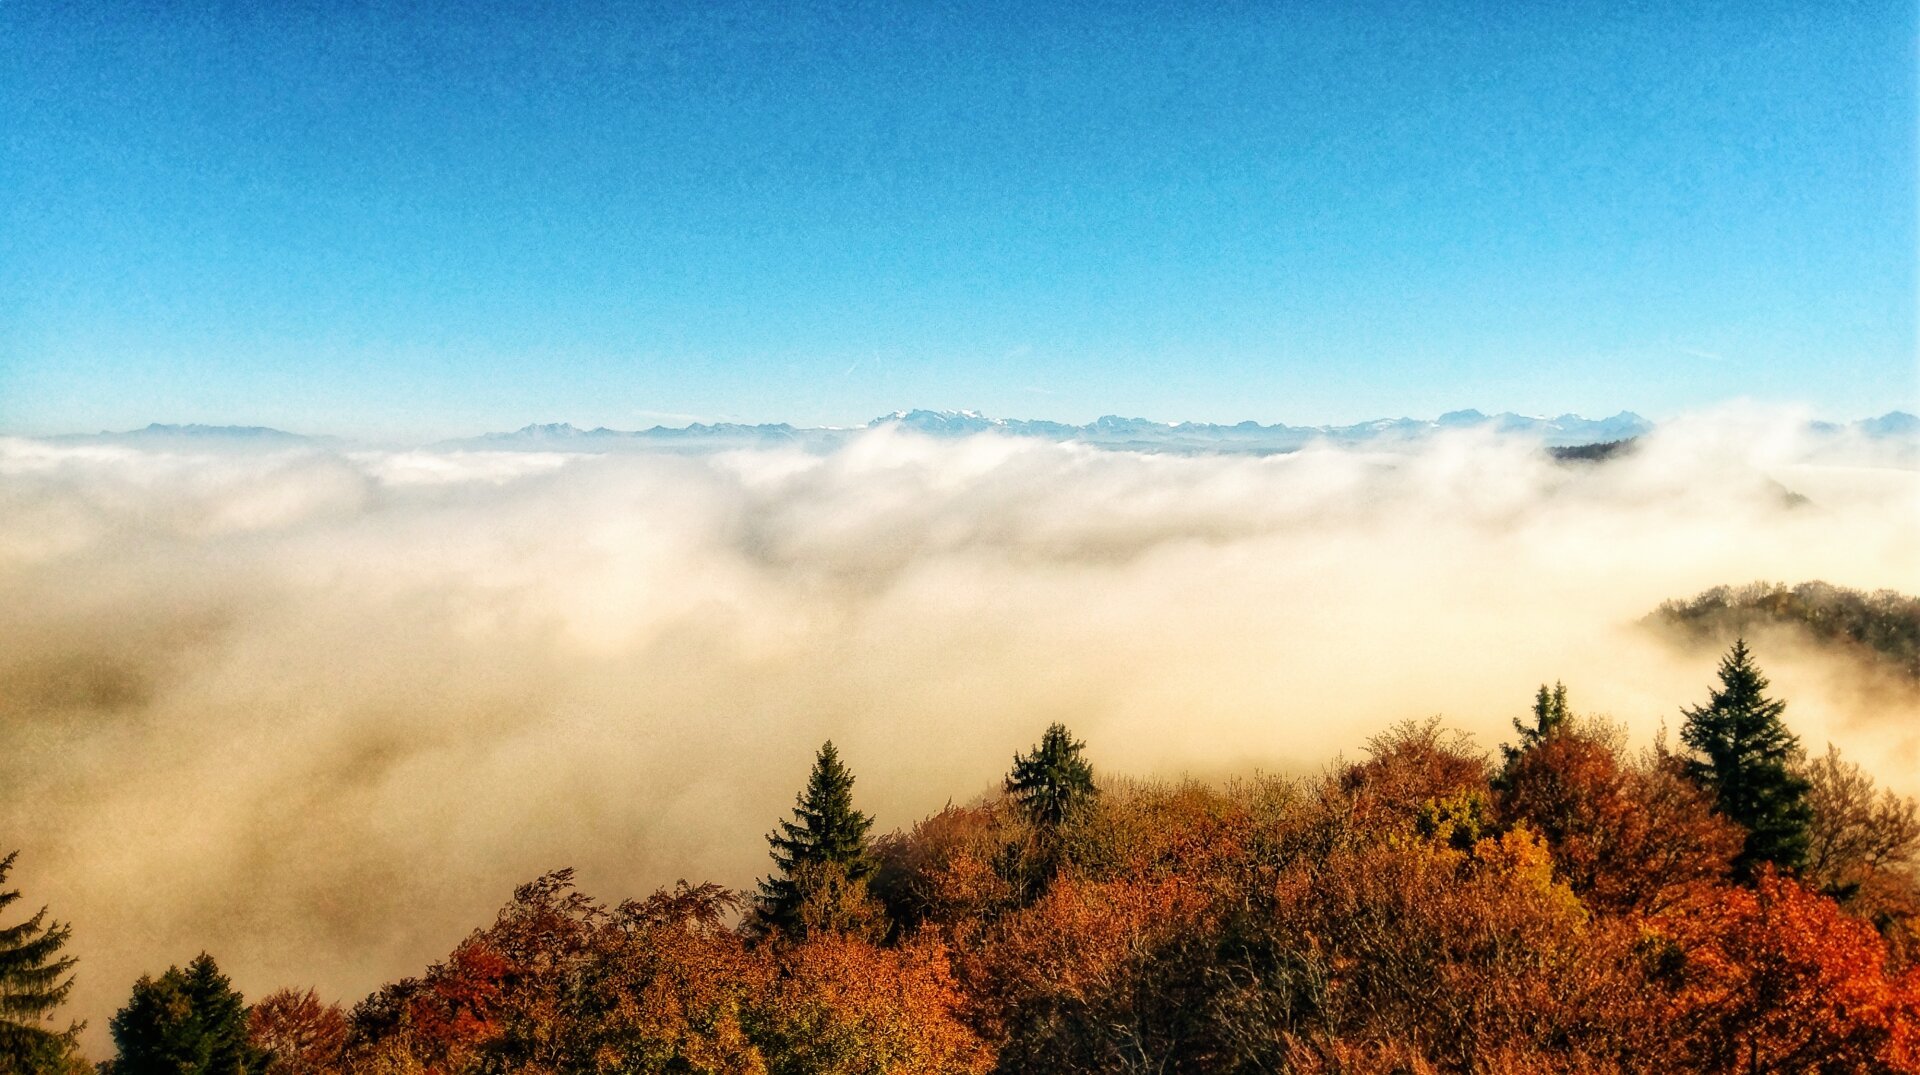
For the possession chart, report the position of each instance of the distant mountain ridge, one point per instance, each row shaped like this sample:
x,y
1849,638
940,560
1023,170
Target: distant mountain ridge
x,y
1111,431
158,430
197,433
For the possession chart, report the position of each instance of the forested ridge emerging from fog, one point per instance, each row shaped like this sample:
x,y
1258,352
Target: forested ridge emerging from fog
x,y
1881,627
1729,902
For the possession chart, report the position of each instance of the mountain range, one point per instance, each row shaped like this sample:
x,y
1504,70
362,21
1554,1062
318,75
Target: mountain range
x,y
1111,431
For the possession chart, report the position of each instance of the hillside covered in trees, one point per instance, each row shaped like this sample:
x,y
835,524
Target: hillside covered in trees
x,y
1727,904
1880,628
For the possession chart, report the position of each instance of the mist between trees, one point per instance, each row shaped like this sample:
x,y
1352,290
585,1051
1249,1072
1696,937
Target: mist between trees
x,y
1726,905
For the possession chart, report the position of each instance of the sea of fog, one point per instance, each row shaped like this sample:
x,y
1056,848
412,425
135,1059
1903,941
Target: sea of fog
x,y
317,709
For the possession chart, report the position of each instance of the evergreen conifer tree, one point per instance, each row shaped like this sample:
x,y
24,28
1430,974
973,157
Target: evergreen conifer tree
x,y
186,1022
34,980
1053,782
824,844
1550,712
1744,756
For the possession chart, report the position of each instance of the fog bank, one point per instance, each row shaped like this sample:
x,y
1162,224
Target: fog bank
x,y
318,710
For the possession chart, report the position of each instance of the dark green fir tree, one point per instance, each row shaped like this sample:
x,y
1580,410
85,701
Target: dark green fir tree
x,y
824,845
1745,757
1053,782
185,1022
1550,713
34,980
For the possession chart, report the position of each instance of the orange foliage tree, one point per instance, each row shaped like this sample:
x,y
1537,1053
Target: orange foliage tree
x,y
560,983
299,1034
954,869
845,1006
1079,980
1471,954
1778,979
1408,766
1625,836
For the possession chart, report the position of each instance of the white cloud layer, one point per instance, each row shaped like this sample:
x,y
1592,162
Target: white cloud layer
x,y
318,711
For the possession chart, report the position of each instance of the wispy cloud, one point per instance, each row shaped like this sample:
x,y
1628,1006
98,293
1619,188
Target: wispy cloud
x,y
674,417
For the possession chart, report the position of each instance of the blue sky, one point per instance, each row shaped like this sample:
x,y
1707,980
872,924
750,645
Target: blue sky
x,y
371,218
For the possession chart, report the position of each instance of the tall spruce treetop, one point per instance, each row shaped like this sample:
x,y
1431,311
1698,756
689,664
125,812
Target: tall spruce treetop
x,y
34,980
1744,755
827,836
1053,782
186,1022
1550,712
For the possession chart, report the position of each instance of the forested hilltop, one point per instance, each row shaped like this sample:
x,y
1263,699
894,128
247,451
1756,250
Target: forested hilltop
x,y
1728,903
1881,628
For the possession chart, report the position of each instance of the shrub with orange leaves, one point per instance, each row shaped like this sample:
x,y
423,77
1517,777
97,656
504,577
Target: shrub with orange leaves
x,y
299,1034
842,1006
1410,765
1142,830
560,983
1862,849
1464,954
1776,978
663,986
955,869
439,1022
1079,980
1626,837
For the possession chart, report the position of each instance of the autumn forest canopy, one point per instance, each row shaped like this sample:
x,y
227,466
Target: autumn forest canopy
x,y
1731,901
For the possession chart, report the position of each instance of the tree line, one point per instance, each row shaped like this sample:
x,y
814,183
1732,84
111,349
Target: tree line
x,y
1881,627
1729,905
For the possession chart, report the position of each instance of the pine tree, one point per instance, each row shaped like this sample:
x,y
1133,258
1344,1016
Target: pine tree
x,y
1744,755
156,1034
824,845
34,980
1053,782
1550,713
223,1018
186,1022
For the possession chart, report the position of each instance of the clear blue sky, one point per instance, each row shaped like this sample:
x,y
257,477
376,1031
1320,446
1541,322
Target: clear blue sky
x,y
371,218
